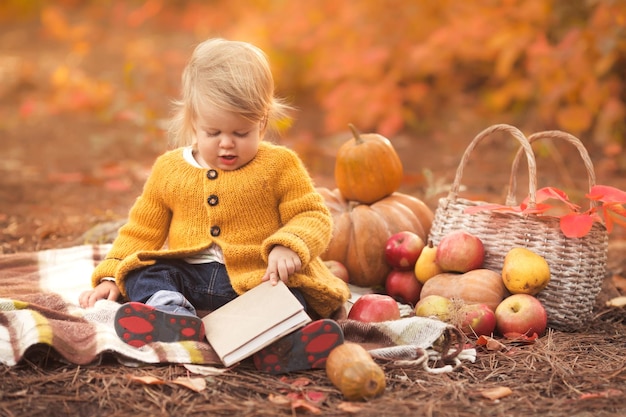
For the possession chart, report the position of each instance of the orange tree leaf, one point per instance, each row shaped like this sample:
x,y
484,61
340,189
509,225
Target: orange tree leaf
x,y
574,118
576,225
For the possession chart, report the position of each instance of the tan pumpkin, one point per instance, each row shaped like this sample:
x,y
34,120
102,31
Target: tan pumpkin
x,y
361,231
353,371
478,286
367,168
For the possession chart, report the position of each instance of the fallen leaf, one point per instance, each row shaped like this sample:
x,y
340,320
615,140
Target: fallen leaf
x,y
316,397
66,177
279,399
603,394
496,393
118,185
298,382
349,407
147,379
205,370
617,302
521,338
194,384
490,343
302,403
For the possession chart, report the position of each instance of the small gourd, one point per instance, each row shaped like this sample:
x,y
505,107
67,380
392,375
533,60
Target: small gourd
x,y
353,371
367,168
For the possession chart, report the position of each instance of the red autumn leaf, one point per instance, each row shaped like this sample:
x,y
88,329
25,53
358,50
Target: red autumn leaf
x,y
304,404
316,397
490,343
607,194
614,218
539,208
576,225
547,193
613,213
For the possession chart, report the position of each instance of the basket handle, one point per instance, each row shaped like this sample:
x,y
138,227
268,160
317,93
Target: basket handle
x,y
552,134
525,147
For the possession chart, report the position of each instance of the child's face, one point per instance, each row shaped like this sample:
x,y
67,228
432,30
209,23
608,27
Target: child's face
x,y
226,140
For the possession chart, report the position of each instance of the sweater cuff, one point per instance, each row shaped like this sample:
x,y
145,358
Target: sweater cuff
x,y
288,240
106,268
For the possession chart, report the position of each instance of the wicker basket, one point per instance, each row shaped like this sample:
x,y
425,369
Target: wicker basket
x,y
577,265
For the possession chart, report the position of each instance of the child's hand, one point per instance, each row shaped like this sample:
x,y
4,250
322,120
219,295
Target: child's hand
x,y
281,263
105,290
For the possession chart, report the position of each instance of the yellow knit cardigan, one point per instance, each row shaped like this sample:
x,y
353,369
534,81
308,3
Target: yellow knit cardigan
x,y
270,201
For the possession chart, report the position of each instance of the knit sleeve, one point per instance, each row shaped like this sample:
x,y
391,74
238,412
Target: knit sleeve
x,y
307,223
147,226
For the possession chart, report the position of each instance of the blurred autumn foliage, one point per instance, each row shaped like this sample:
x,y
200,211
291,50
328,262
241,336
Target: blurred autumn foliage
x,y
386,66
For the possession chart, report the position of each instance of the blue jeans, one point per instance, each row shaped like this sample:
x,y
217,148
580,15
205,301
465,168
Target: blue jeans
x,y
179,287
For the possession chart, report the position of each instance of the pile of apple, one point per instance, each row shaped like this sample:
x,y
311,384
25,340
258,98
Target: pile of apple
x,y
447,281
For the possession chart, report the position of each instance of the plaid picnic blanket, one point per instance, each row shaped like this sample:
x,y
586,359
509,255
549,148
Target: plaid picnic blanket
x,y
39,313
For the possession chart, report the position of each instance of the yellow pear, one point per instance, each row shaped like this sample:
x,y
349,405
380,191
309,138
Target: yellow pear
x,y
525,272
434,306
426,266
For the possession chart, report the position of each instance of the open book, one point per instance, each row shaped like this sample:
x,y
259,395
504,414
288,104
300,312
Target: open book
x,y
253,320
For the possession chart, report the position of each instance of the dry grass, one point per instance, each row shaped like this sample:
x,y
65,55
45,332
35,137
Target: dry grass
x,y
562,374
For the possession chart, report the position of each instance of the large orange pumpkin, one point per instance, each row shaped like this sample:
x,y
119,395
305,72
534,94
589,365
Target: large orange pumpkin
x,y
361,231
367,168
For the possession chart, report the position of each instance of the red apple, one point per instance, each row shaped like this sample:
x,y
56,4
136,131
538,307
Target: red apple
x,y
477,320
460,251
374,308
403,249
521,314
403,286
338,269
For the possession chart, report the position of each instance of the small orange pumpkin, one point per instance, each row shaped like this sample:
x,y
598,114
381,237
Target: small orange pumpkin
x,y
361,231
351,369
367,168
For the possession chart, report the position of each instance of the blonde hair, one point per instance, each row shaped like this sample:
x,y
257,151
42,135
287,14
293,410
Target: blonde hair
x,y
232,75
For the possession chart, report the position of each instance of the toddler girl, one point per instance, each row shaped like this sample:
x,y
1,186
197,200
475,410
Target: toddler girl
x,y
221,213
